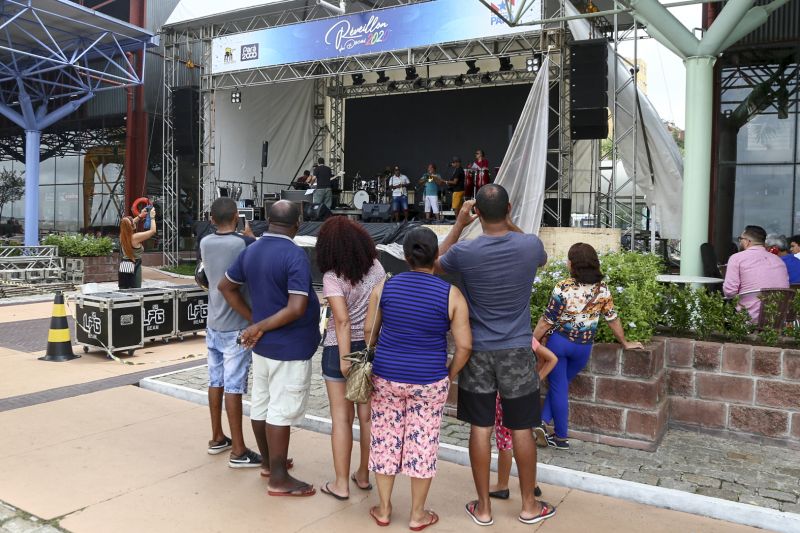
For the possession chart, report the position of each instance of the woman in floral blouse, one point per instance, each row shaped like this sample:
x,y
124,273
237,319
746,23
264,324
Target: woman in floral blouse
x,y
571,319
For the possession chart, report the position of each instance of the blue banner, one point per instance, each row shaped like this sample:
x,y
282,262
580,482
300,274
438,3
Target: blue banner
x,y
369,32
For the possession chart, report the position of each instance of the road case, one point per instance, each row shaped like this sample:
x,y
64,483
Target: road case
x,y
191,309
109,320
158,312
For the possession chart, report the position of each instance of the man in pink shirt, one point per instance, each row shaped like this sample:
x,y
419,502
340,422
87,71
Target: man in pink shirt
x,y
753,269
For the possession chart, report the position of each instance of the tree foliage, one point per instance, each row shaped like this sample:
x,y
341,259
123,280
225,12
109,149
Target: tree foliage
x,y
12,187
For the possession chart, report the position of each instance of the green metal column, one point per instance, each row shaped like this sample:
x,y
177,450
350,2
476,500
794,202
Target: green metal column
x,y
697,162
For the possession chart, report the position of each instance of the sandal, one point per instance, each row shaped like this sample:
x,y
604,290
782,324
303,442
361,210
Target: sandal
x,y
378,521
433,520
302,491
470,508
325,489
367,487
546,512
289,465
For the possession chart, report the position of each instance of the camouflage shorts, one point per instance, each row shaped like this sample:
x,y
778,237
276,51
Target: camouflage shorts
x,y
510,372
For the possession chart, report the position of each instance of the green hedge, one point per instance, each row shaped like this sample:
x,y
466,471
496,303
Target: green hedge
x,y
74,245
631,278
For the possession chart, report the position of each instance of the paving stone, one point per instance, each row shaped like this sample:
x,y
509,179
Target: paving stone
x,y
6,512
48,529
760,501
20,525
670,483
703,481
638,477
719,493
791,508
735,487
605,471
778,495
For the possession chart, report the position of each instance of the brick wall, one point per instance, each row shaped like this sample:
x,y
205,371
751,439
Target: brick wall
x,y
103,269
739,388
620,398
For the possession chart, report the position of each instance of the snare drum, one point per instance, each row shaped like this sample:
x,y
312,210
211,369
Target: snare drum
x,y
360,198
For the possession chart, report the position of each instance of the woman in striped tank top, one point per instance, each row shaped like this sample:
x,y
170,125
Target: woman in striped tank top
x,y
413,312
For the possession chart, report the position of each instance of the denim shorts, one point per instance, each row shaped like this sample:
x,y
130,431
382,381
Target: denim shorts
x,y
331,371
228,362
400,203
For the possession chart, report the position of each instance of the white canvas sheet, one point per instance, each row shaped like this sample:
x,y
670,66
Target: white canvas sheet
x,y
280,114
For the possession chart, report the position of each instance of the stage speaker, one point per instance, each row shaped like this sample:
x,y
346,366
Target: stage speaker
x,y
589,73
315,212
376,212
264,154
186,118
589,123
566,211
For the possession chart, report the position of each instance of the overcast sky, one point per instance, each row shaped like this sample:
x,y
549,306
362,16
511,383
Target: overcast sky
x,y
666,75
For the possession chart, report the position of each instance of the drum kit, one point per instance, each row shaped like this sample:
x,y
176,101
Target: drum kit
x,y
474,179
374,190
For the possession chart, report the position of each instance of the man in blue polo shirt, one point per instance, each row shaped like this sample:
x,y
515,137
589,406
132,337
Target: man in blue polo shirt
x,y
284,335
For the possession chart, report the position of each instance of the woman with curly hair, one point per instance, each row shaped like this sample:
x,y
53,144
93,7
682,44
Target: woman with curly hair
x,y
347,257
571,320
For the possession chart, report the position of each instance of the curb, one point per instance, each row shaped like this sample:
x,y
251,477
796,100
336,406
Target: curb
x,y
676,500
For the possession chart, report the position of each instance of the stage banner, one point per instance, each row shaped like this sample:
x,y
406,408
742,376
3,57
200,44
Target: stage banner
x,y
369,32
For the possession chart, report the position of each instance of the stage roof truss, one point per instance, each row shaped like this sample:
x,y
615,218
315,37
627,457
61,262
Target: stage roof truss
x,y
63,143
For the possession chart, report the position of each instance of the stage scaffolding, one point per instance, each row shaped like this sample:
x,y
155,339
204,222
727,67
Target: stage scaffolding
x,y
331,91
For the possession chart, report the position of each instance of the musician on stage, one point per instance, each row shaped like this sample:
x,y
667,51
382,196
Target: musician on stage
x,y
481,167
397,184
322,179
456,183
303,182
431,181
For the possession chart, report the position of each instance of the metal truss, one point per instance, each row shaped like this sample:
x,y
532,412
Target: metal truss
x,y
512,45
336,148
438,83
62,143
169,162
321,128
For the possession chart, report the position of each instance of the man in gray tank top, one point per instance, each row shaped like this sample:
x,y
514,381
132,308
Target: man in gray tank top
x,y
228,361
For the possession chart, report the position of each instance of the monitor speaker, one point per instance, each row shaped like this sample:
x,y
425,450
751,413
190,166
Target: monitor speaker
x,y
376,212
315,212
551,204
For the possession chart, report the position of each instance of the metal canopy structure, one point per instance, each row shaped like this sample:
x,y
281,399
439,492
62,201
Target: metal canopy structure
x,y
55,56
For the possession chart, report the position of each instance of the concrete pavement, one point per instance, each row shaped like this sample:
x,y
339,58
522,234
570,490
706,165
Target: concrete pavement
x,y
128,460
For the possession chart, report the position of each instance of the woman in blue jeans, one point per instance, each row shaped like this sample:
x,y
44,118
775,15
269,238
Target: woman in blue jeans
x,y
347,257
571,319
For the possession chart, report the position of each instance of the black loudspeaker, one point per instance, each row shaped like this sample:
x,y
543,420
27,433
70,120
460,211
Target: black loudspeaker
x,y
589,89
264,154
186,120
315,212
376,212
566,211
589,123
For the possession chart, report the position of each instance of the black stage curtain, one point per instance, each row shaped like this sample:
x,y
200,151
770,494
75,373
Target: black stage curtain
x,y
412,130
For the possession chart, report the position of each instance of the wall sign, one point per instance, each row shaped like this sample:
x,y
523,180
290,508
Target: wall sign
x,y
370,32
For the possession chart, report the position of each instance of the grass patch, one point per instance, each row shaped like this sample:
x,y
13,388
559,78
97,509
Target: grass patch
x,y
184,269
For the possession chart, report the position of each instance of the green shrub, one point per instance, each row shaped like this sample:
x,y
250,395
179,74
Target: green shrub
x,y
9,242
74,245
631,278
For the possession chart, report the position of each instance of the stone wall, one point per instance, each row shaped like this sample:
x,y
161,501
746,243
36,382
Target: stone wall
x,y
744,389
103,269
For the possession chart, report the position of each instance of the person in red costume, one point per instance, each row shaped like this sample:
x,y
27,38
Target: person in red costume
x,y
481,166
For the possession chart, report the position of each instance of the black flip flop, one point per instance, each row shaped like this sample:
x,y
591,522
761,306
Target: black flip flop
x,y
368,487
500,494
325,489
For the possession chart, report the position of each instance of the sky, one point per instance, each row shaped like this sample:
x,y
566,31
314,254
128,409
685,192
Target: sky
x,y
666,75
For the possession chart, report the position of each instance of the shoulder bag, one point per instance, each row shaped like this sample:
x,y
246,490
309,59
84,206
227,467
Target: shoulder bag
x,y
359,378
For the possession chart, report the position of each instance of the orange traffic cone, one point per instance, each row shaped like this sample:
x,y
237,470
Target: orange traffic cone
x,y
59,345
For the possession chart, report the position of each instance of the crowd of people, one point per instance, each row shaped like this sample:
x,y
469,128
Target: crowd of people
x,y
261,299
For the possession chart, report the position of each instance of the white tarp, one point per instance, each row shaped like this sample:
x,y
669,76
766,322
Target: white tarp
x,y
666,193
280,114
188,10
525,163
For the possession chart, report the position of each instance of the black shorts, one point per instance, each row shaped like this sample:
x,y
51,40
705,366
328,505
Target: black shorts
x,y
511,373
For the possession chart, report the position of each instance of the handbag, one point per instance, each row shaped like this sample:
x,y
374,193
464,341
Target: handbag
x,y
359,379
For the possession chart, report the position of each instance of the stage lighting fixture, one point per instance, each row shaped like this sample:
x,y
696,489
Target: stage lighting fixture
x,y
439,83
472,68
236,96
382,77
419,83
411,73
486,78
358,79
459,81
532,64
505,64
392,86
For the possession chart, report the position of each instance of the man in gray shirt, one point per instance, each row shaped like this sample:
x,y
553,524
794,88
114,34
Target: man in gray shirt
x,y
322,177
228,361
497,271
